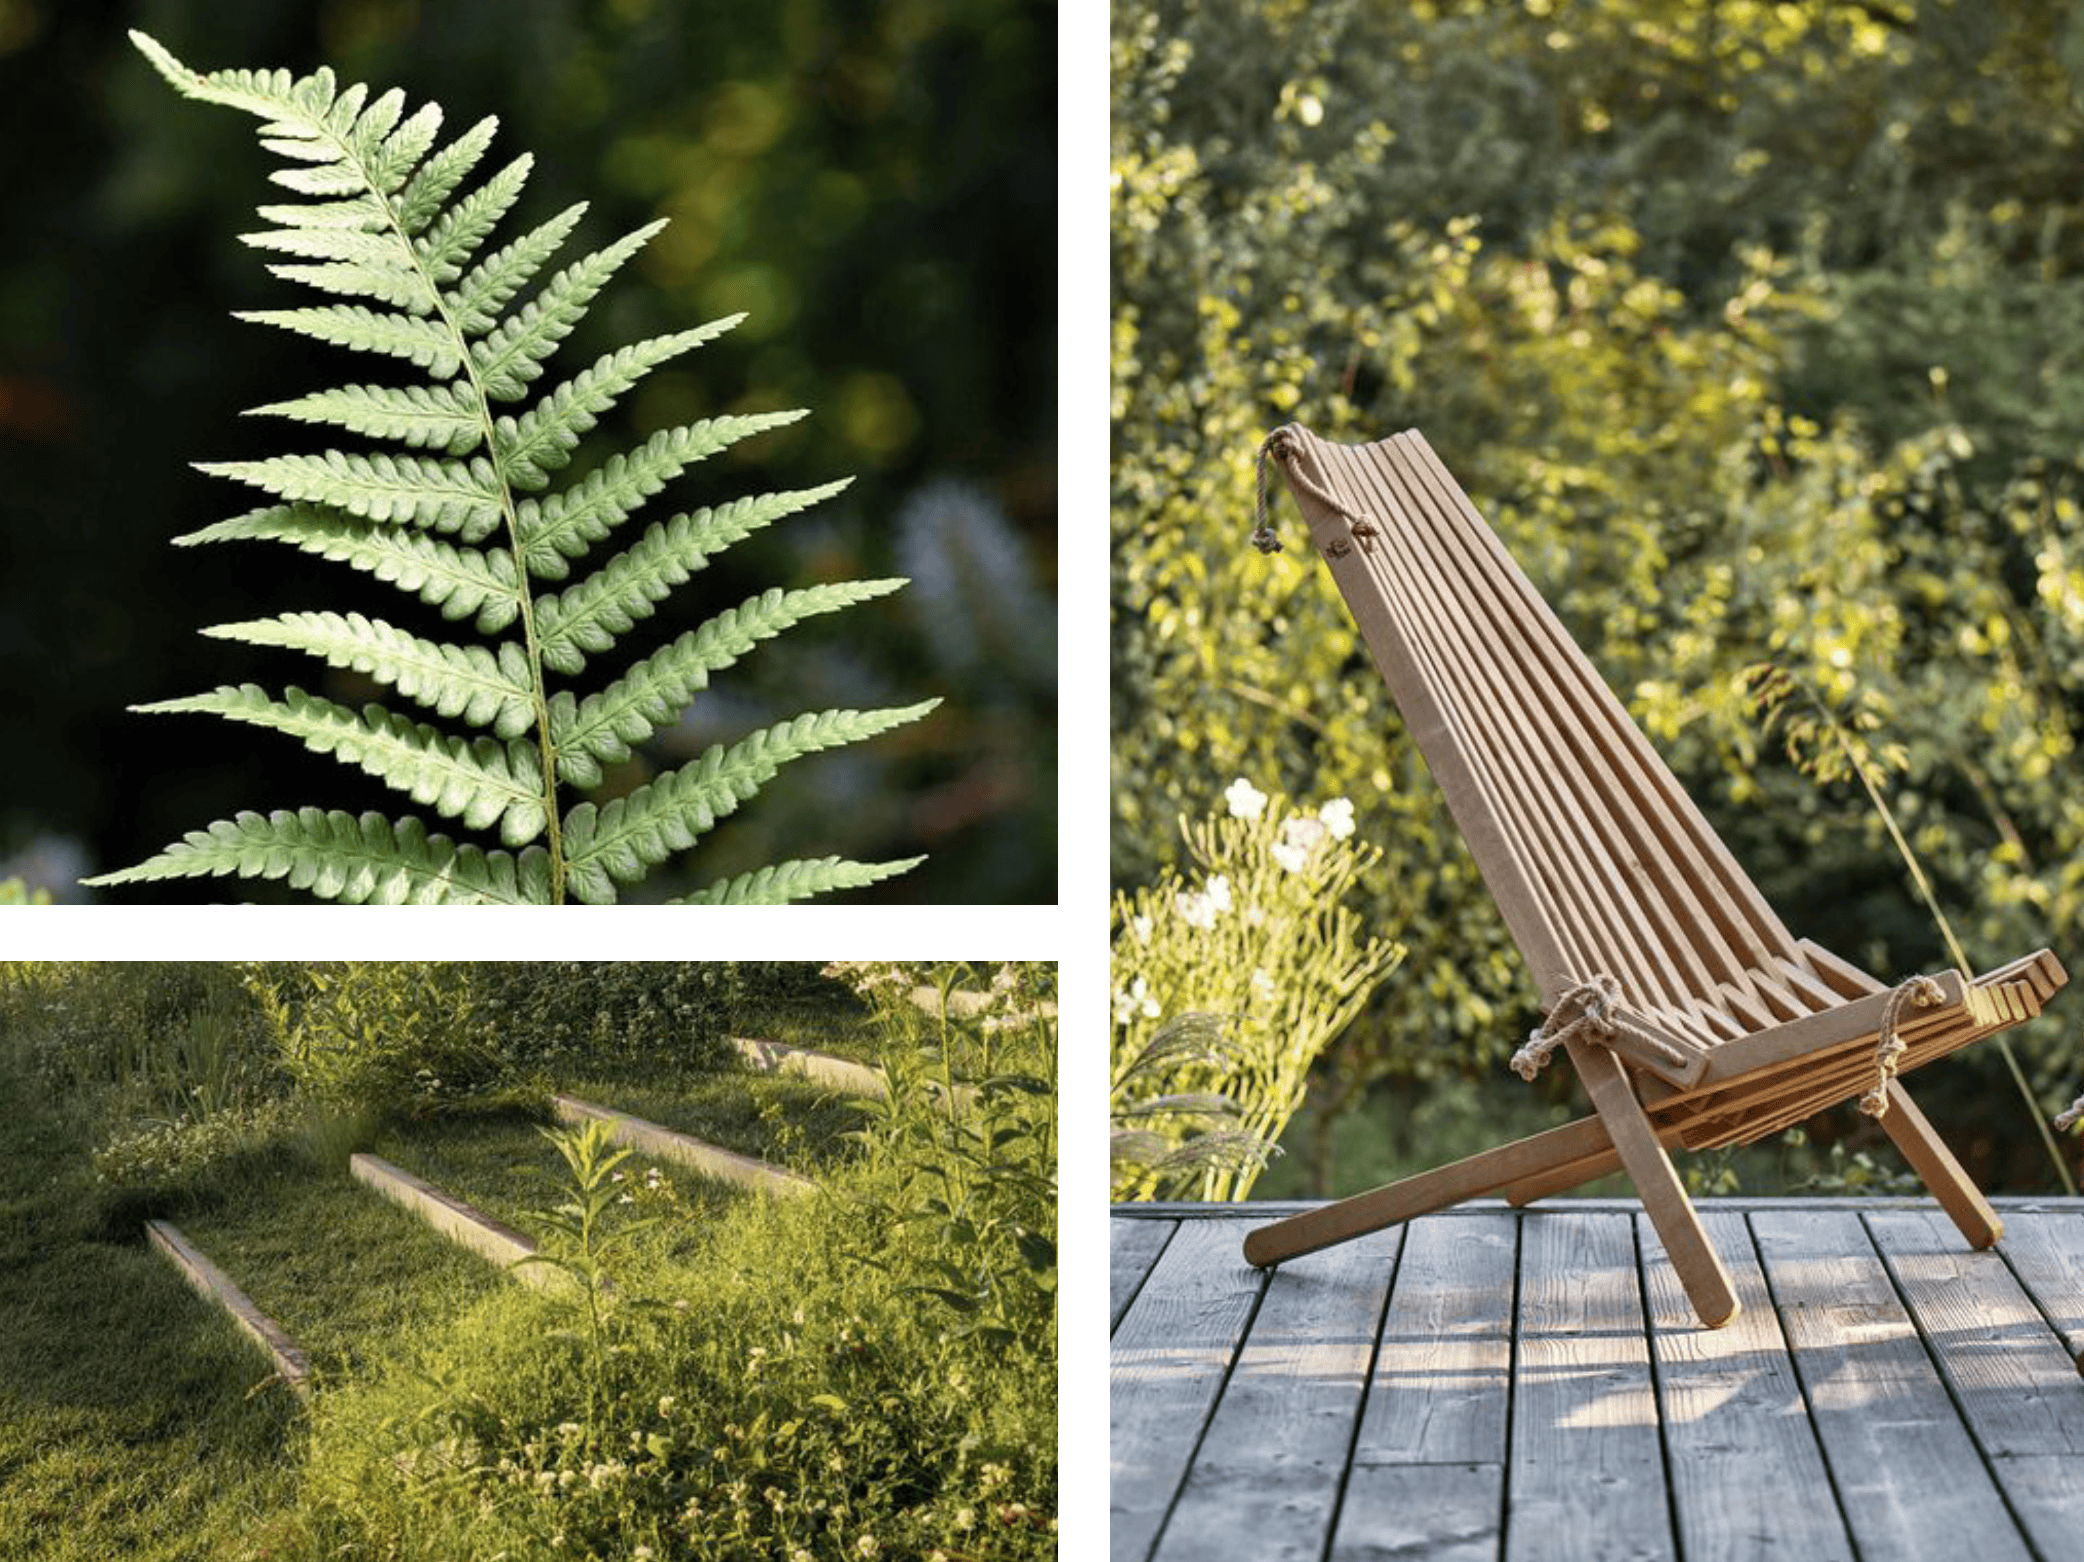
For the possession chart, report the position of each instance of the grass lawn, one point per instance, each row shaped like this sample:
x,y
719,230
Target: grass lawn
x,y
133,1419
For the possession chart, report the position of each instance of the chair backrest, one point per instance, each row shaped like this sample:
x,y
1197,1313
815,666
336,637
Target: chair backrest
x,y
1596,856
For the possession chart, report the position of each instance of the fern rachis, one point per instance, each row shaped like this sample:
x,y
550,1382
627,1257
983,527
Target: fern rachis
x,y
451,502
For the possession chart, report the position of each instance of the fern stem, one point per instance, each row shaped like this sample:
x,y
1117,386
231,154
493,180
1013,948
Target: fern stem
x,y
524,603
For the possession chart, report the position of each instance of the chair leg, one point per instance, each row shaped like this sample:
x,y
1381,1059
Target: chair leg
x,y
1575,1174
1932,1160
1330,1224
1686,1244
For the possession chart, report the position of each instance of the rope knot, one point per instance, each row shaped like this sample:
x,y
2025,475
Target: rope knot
x,y
1889,1050
1587,1007
2073,1115
1272,448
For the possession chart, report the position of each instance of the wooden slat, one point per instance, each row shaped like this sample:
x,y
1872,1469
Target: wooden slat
x,y
1133,1246
1587,1469
2046,1252
1428,1467
1909,1479
1487,1172
2014,1380
1169,1360
1735,1426
1266,1480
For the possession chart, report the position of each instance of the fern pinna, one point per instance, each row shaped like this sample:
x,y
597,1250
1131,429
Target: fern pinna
x,y
451,502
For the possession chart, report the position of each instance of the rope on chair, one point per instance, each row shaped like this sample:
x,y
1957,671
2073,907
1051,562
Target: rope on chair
x,y
1585,1008
2073,1115
1888,1052
1278,446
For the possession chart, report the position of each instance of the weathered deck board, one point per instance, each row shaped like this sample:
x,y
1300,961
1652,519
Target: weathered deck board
x,y
1534,1384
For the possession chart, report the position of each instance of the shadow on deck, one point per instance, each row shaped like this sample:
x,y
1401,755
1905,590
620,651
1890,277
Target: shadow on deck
x,y
1532,1385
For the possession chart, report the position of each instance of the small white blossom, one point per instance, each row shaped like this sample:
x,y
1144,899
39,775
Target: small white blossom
x,y
1218,891
1262,983
1246,800
1140,925
1196,910
1291,857
1338,817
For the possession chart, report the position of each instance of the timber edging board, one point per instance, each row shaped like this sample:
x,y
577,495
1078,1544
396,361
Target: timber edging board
x,y
454,1219
213,1284
708,1159
774,1057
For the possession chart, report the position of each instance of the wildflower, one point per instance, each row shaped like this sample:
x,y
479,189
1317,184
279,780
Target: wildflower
x,y
1196,910
867,1546
1262,984
1218,891
1291,857
1246,800
1338,817
1137,1000
1140,925
665,1405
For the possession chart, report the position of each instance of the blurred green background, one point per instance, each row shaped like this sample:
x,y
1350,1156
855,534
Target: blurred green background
x,y
1757,331
874,184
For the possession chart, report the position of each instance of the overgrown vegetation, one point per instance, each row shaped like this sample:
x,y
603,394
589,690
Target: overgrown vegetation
x,y
869,1371
1747,327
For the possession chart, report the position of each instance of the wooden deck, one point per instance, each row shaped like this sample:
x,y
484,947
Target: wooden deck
x,y
1531,1385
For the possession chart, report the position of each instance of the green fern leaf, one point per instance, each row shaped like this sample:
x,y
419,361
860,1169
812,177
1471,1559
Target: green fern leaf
x,y
453,680
528,449
454,503
428,343
443,417
459,581
623,841
482,782
512,354
792,881
335,855
655,691
563,526
448,496
475,302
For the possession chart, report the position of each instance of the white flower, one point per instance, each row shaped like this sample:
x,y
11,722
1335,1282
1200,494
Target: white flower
x,y
1338,817
1246,800
1218,890
1291,857
1299,837
1140,925
1195,910
1136,1001
1262,983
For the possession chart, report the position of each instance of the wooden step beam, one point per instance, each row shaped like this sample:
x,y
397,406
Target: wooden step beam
x,y
774,1057
669,1144
459,1222
214,1285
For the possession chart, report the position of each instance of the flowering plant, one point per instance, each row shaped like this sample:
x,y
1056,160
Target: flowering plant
x,y
1228,986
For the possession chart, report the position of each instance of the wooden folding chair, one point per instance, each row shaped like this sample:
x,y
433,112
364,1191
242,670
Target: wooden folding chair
x,y
1692,1015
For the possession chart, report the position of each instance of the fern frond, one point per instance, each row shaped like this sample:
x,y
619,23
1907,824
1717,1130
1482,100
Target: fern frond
x,y
460,581
480,782
335,855
387,220
429,344
624,840
512,355
657,689
792,881
426,417
452,680
431,185
628,587
448,496
475,301
563,526
526,450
